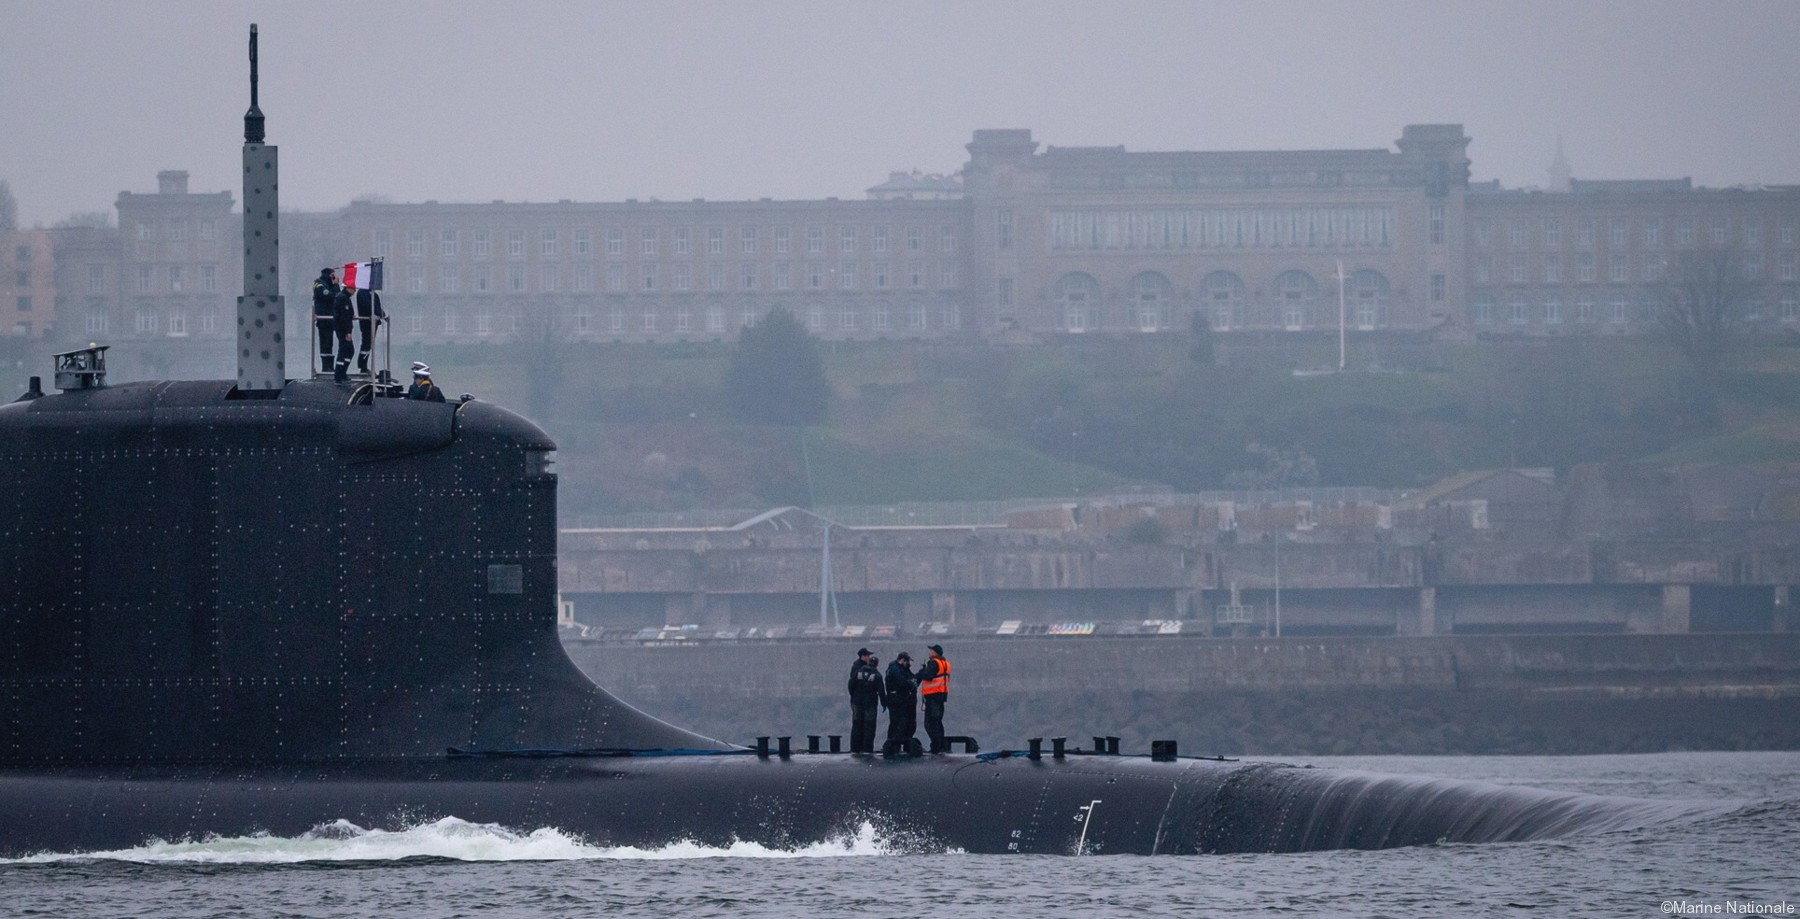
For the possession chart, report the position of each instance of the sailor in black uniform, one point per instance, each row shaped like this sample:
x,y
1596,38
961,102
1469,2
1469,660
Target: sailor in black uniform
x,y
343,325
369,314
902,706
325,291
865,702
422,388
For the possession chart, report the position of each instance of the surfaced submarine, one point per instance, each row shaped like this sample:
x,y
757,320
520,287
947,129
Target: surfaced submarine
x,y
270,604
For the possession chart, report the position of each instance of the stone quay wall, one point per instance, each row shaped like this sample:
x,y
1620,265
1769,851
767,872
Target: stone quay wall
x,y
1489,694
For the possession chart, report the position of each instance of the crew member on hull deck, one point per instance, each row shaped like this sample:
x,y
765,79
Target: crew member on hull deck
x,y
324,292
903,707
865,702
934,689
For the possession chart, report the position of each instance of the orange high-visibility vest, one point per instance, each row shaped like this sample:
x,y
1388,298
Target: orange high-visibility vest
x,y
937,684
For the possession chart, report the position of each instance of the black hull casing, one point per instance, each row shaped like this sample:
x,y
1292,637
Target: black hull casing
x,y
190,576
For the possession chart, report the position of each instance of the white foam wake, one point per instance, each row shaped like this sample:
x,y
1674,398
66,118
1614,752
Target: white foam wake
x,y
448,838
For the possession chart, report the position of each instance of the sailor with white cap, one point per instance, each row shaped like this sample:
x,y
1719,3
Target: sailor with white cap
x,y
422,388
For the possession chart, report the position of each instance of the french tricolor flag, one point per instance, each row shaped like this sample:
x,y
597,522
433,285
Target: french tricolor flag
x,y
362,275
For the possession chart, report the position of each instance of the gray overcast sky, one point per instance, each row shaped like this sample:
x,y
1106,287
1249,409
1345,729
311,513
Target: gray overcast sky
x,y
601,101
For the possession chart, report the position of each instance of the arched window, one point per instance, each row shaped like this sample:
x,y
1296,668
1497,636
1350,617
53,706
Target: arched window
x,y
1224,296
1078,295
1369,298
1150,298
1299,295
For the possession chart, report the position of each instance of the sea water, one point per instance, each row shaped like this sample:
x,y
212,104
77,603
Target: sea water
x,y
1726,843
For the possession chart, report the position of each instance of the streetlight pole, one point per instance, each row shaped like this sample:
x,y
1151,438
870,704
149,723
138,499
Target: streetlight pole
x,y
1279,539
1341,321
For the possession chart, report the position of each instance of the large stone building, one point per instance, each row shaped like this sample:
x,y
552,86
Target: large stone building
x,y
1030,244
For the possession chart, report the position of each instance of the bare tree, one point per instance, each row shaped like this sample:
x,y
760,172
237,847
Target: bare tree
x,y
543,353
1702,307
9,208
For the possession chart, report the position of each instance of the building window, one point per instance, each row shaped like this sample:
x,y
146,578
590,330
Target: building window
x,y
615,242
815,240
1785,267
615,279
947,240
715,319
747,318
847,318
815,318
96,320
515,279
1552,233
784,276
1787,231
1552,310
1584,268
22,304
1521,312
615,320
682,241
878,275
746,240
384,243
1619,268
1752,266
1521,268
208,231
915,274
484,243
146,321
915,239
647,274
1484,309
1721,231
177,324
846,275
584,243
781,240
915,316
715,240
747,276
684,321
815,276
951,315
415,279
1618,309
549,279
515,243
647,241
177,279
1552,268
947,275
1585,233
715,277
450,322
1435,224
447,244
1437,288
846,240
484,324
1484,234
881,240
483,282
449,279
878,320
147,232
649,320
547,243
415,243
684,276
1790,307
1618,232
1684,232
1653,266
1653,233
177,231
1584,310
1484,269
96,278
1752,231
146,279
584,280
1003,227
1515,234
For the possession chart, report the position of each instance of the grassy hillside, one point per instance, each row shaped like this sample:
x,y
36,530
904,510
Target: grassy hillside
x,y
643,427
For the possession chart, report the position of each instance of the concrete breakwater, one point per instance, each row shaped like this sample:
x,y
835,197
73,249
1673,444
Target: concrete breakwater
x,y
1567,694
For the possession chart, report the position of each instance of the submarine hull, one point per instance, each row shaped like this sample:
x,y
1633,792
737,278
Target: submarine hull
x,y
1009,804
